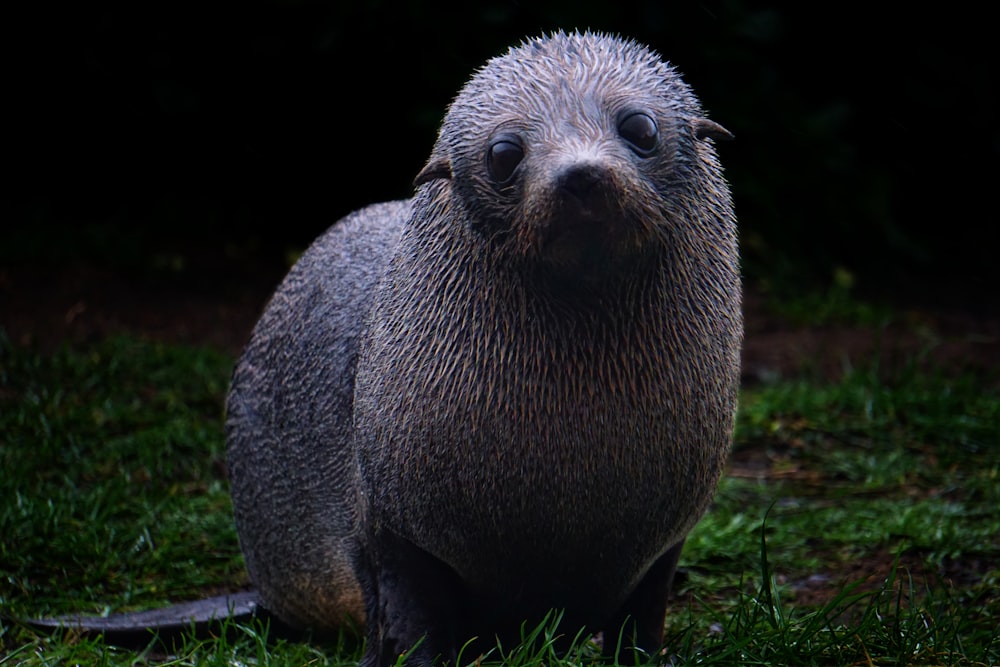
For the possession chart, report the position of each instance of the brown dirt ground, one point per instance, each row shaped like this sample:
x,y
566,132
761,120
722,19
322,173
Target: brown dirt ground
x,y
82,303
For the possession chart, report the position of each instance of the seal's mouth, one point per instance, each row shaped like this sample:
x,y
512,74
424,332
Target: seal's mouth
x,y
585,232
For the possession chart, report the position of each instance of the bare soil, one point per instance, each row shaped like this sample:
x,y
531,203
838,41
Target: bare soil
x,y
82,302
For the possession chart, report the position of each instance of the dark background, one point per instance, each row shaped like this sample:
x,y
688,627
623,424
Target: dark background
x,y
205,143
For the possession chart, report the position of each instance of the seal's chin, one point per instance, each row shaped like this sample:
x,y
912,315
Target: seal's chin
x,y
588,247
590,239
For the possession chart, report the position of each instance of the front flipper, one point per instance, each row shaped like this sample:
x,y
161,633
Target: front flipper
x,y
414,602
639,623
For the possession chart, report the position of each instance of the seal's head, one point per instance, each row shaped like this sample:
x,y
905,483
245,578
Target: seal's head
x,y
581,153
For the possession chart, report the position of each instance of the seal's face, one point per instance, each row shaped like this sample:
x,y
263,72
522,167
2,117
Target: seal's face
x,y
576,199
567,152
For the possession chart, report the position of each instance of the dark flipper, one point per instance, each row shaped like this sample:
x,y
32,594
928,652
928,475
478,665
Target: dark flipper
x,y
164,628
640,622
416,610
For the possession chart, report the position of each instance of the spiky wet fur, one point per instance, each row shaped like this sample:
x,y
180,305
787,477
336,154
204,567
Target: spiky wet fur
x,y
465,409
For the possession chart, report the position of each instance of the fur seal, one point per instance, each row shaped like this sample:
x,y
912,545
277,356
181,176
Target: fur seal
x,y
514,392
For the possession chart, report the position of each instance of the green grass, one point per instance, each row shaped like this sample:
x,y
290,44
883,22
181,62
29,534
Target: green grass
x,y
113,492
858,524
835,304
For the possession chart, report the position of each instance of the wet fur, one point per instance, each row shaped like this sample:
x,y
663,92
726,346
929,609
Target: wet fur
x,y
462,410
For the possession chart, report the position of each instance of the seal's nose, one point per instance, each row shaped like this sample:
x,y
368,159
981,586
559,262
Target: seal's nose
x,y
579,181
585,183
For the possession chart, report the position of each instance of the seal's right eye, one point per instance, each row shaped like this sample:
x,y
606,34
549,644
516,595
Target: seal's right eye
x,y
640,131
502,158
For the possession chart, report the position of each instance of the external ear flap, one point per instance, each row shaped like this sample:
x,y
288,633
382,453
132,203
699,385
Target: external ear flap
x,y
708,129
436,167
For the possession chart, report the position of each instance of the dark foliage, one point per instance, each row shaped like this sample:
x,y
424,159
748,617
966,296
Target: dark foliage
x,y
171,137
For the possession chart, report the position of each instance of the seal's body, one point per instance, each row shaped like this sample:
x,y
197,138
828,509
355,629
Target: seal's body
x,y
513,392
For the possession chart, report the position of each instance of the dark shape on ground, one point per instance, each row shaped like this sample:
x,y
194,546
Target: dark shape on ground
x,y
165,628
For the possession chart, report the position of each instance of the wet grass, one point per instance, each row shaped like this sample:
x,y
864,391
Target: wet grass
x,y
858,524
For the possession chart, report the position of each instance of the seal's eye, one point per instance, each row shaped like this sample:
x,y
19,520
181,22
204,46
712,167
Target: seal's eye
x,y
504,154
639,130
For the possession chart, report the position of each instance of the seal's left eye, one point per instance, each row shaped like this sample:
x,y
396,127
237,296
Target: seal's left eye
x,y
503,157
639,130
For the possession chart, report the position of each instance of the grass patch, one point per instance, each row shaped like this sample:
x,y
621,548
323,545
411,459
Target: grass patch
x,y
836,304
113,493
857,524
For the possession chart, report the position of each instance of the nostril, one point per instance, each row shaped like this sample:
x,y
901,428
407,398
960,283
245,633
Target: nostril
x,y
582,180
